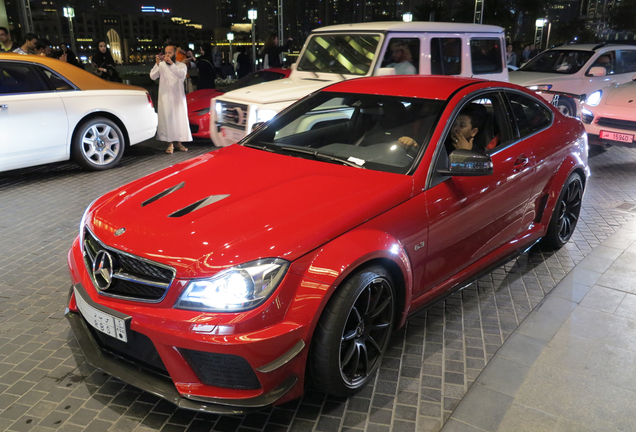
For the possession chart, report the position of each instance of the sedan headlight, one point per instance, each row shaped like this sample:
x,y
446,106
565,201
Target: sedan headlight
x,y
236,289
594,98
265,115
540,87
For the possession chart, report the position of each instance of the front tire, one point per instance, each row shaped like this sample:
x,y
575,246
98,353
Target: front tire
x,y
98,144
566,213
567,107
354,332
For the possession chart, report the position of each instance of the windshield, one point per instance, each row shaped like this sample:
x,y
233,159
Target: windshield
x,y
382,133
340,53
558,61
254,78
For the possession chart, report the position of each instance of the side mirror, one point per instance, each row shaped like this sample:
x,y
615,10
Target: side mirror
x,y
385,72
468,163
597,71
257,125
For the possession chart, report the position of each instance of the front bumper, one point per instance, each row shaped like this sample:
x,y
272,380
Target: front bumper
x,y
199,125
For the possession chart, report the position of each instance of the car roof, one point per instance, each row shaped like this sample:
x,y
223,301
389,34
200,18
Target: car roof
x,y
418,26
412,86
79,77
590,47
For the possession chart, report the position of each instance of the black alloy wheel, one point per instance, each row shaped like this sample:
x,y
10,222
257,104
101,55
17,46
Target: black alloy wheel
x,y
566,212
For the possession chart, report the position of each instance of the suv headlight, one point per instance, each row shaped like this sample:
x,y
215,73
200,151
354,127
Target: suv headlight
x,y
594,98
540,87
236,289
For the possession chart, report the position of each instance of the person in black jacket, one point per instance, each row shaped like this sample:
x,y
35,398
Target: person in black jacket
x,y
271,51
103,63
207,72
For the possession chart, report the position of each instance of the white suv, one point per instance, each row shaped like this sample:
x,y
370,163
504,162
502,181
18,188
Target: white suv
x,y
340,52
566,75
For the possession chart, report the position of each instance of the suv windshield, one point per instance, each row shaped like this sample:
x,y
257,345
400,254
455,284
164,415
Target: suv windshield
x,y
340,53
558,61
382,133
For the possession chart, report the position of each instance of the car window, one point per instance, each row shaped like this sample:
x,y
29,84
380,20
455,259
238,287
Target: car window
x,y
20,78
528,115
340,53
558,61
486,56
403,54
626,62
446,56
606,60
56,81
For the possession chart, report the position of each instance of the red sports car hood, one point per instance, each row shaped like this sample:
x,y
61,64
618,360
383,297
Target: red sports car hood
x,y
238,204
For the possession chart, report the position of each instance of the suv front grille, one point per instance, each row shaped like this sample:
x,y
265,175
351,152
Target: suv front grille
x,y
133,278
233,114
617,124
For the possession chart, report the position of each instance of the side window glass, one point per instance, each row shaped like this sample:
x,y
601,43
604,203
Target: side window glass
x,y
403,54
529,116
446,56
606,60
19,78
627,61
486,56
477,126
56,81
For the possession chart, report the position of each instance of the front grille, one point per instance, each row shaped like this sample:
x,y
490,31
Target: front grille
x,y
133,278
194,128
617,124
233,114
221,370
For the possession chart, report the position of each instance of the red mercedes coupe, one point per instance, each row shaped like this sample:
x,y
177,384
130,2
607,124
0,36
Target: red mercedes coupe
x,y
199,101
333,223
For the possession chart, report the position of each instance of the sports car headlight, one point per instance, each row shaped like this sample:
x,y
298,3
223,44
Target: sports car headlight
x,y
265,115
83,223
540,87
594,98
236,289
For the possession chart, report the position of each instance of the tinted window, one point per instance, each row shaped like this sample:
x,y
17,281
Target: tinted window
x,y
529,115
57,82
18,78
403,54
446,55
606,60
341,53
486,56
627,61
558,61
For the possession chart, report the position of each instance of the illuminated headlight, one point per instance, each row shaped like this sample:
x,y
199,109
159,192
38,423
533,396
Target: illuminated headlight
x,y
594,98
540,87
219,110
203,111
586,112
265,115
83,224
236,289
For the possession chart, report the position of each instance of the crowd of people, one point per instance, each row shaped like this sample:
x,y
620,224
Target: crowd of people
x,y
529,52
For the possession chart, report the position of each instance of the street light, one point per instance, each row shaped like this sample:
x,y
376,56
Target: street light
x,y
230,38
69,13
252,14
407,17
538,31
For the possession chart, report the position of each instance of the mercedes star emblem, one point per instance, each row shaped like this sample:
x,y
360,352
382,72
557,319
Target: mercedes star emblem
x,y
120,231
103,270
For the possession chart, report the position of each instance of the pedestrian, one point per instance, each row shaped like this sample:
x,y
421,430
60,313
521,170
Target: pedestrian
x,y
207,72
103,63
244,63
43,47
533,51
271,52
29,44
173,124
217,61
6,44
71,58
511,57
525,55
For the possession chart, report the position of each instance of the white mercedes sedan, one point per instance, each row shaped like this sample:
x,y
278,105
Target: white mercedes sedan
x,y
52,111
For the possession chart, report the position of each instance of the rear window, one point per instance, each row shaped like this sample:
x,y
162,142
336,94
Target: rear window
x,y
486,56
446,56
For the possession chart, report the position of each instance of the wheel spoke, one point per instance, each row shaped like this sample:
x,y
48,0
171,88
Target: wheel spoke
x,y
348,355
348,335
355,361
381,308
110,153
94,131
106,132
372,341
364,359
90,151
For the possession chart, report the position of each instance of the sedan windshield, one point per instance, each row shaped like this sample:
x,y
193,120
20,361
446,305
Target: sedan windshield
x,y
363,131
340,53
558,61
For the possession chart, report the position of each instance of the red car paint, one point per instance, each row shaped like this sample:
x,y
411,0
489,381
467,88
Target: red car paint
x,y
199,100
326,220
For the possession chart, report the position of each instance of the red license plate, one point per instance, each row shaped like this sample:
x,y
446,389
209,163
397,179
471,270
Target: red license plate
x,y
614,136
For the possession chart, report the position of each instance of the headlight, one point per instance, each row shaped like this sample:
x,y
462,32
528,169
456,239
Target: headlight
x,y
203,111
540,87
594,98
236,289
265,115
219,110
83,223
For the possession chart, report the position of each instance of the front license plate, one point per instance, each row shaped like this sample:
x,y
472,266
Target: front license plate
x,y
105,323
232,134
626,138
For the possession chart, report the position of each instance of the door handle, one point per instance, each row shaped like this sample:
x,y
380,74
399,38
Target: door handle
x,y
521,161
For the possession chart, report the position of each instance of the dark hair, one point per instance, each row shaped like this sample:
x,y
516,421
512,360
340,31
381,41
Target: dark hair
x,y
4,29
42,43
477,114
207,49
271,41
30,36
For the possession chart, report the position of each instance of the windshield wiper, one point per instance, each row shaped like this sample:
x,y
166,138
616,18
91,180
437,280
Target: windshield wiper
x,y
321,156
260,147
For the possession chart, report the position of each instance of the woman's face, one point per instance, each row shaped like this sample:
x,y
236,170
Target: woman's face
x,y
463,125
102,47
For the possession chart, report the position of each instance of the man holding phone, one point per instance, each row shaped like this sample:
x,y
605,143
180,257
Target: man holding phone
x,y
173,124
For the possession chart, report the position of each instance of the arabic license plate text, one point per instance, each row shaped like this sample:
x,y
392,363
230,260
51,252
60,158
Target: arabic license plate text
x,y
614,136
105,323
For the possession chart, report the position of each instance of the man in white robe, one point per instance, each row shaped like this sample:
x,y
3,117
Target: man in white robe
x,y
173,110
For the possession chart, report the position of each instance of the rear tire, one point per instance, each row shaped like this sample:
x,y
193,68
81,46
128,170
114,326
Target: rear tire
x,y
566,213
98,144
354,332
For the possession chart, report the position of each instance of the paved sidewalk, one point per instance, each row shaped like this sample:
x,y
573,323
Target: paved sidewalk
x,y
571,364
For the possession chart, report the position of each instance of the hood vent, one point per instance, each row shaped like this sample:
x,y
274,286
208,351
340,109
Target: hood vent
x,y
163,194
198,205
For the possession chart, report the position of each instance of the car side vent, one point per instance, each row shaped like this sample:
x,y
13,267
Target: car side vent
x,y
198,205
163,194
